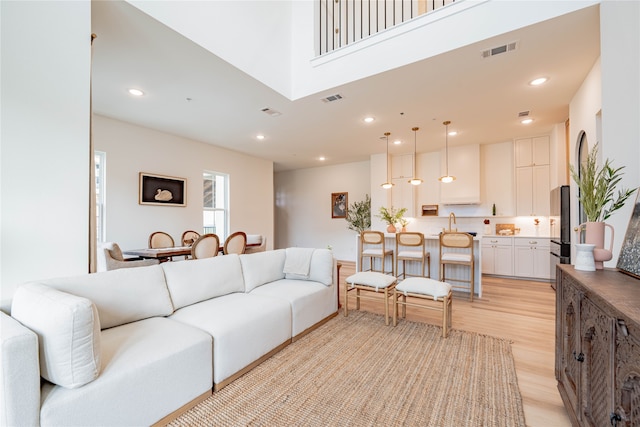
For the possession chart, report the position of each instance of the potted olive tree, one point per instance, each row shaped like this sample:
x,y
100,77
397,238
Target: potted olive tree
x,y
359,215
599,200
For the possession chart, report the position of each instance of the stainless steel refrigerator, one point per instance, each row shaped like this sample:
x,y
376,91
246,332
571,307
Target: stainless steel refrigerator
x,y
560,226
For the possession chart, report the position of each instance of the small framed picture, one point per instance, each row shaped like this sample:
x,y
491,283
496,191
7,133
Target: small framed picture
x,y
339,204
162,190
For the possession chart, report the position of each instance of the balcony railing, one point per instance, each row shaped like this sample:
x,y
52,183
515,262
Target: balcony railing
x,y
343,22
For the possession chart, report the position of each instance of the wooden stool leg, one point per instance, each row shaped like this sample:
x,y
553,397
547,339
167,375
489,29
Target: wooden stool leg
x,y
346,299
395,307
471,287
445,316
386,306
357,299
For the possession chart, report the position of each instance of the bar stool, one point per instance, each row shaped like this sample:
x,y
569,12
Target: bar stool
x,y
413,240
372,246
457,242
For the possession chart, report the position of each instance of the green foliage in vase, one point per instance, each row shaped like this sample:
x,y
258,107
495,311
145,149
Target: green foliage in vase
x,y
391,215
359,215
598,186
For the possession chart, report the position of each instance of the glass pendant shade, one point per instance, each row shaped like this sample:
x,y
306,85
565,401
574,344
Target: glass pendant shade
x,y
415,180
388,184
447,178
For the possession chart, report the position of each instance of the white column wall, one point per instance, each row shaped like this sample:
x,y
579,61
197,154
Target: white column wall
x,y
620,46
303,207
45,97
132,149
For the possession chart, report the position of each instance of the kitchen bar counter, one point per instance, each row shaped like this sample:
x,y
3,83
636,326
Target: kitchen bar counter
x,y
432,245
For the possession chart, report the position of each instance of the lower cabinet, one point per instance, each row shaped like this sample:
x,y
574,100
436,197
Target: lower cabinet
x,y
497,255
531,257
598,346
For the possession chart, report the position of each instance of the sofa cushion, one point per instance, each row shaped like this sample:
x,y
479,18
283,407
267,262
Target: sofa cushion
x,y
68,330
121,296
262,267
197,280
244,328
150,368
320,269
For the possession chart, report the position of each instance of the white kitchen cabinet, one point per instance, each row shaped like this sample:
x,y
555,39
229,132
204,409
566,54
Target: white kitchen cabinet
x,y
532,191
497,255
532,176
402,166
532,151
531,257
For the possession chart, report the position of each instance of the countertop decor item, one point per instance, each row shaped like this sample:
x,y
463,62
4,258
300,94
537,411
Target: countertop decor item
x,y
391,216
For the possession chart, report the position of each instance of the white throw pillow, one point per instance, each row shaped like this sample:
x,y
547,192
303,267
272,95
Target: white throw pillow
x,y
320,269
68,329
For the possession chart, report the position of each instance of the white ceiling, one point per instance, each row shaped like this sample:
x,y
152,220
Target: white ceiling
x,y
481,97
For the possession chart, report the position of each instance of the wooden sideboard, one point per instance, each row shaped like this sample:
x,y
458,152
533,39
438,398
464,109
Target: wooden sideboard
x,y
598,346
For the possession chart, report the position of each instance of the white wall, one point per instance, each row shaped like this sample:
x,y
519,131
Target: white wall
x,y
45,140
132,149
303,207
620,45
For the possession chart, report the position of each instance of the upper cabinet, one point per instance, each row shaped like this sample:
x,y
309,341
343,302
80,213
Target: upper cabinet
x,y
402,192
464,164
532,176
532,151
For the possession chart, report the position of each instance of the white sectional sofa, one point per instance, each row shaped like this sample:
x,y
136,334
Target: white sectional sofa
x,y
136,346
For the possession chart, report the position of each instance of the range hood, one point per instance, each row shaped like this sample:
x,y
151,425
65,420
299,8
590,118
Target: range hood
x,y
464,164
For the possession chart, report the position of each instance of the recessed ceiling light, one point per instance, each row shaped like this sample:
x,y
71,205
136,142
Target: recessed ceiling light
x,y
397,142
136,92
526,121
453,133
368,119
538,81
260,137
322,158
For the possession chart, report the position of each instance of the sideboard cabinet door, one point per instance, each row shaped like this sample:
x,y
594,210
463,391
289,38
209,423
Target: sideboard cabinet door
x,y
627,398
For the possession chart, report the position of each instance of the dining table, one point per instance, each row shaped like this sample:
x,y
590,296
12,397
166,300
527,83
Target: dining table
x,y
162,253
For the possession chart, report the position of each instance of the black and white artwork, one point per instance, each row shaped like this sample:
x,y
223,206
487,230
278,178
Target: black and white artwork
x,y
629,259
162,190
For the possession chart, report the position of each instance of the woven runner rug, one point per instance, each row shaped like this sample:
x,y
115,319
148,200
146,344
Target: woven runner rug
x,y
355,371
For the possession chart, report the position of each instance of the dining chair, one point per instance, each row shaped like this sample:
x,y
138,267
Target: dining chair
x,y
236,243
456,249
206,246
372,246
258,243
189,237
109,257
410,247
159,240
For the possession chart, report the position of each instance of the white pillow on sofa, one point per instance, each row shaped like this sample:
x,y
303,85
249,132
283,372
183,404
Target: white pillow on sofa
x,y
68,329
320,269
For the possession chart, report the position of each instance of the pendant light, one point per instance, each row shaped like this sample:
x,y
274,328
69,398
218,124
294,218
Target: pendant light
x,y
447,178
387,184
414,180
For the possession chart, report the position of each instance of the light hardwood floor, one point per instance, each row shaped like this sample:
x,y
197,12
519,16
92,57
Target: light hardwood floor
x,y
518,310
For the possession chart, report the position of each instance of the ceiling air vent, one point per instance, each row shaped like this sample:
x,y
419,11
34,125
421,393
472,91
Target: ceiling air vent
x,y
271,112
523,114
332,98
509,47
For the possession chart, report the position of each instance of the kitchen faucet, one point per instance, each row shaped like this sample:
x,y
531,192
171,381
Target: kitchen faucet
x,y
454,220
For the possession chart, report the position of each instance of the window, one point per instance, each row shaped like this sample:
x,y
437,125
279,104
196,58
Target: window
x,y
215,204
100,161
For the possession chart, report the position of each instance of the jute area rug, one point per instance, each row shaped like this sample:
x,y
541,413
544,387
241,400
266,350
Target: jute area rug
x,y
355,371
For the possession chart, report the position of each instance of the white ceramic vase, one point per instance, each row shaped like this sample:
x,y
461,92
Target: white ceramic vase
x,y
584,257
